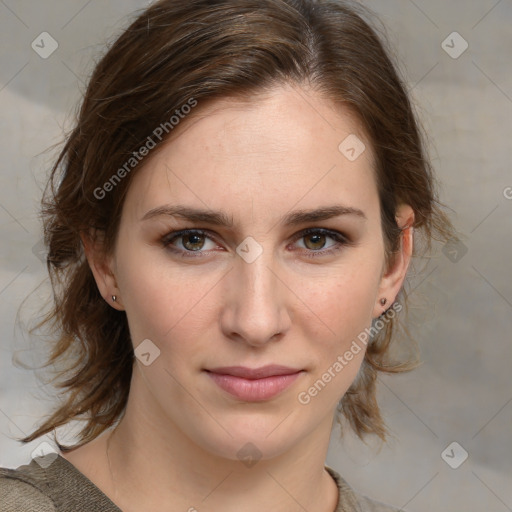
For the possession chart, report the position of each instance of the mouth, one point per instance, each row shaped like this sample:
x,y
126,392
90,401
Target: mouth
x,y
254,384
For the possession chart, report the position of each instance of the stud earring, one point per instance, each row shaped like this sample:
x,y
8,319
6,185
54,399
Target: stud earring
x,y
383,301
114,298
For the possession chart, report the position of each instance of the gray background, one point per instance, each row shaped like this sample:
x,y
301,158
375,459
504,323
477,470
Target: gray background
x,y
461,302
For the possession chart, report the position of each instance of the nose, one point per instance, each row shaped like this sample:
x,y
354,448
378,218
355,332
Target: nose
x,y
255,308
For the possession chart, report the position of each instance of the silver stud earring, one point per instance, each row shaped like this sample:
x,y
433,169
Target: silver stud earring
x,y
114,298
383,301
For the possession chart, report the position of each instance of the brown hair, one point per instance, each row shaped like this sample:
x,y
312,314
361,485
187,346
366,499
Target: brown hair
x,y
176,53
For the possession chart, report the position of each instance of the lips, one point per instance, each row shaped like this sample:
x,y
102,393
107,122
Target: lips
x,y
254,384
255,373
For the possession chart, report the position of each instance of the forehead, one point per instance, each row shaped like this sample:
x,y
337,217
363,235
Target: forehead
x,y
269,151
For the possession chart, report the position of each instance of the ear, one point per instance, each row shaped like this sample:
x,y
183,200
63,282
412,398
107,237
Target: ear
x,y
393,277
102,267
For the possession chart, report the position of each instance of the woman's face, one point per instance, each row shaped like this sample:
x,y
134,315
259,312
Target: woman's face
x,y
251,288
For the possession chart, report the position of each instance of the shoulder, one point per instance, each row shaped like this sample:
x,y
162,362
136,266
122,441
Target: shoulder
x,y
353,501
50,484
25,489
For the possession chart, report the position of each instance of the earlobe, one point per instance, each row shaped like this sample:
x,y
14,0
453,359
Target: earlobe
x,y
101,268
393,278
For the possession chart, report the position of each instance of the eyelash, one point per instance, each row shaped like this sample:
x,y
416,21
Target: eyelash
x,y
341,241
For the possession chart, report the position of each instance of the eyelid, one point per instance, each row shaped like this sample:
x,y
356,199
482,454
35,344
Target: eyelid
x,y
340,238
174,235
324,231
342,241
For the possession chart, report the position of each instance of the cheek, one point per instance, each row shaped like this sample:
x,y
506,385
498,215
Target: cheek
x,y
343,300
344,311
162,302
143,289
156,307
344,303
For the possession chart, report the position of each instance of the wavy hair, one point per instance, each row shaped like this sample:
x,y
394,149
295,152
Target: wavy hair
x,y
173,52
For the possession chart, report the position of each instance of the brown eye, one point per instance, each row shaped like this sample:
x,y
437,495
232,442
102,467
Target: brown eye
x,y
316,241
193,241
188,241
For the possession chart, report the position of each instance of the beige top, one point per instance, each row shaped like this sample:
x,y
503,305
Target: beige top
x,y
60,487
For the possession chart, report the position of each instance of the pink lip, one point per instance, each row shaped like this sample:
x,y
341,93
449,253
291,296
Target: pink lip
x,y
256,384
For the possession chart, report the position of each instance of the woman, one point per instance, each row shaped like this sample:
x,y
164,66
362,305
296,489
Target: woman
x,y
229,228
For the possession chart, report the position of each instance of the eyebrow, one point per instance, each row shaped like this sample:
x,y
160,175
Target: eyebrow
x,y
221,218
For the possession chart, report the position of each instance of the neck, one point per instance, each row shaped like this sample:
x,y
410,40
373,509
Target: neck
x,y
152,464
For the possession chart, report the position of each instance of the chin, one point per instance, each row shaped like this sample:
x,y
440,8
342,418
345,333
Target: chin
x,y
249,439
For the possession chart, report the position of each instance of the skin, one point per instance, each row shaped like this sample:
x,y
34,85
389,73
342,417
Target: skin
x,y
176,447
